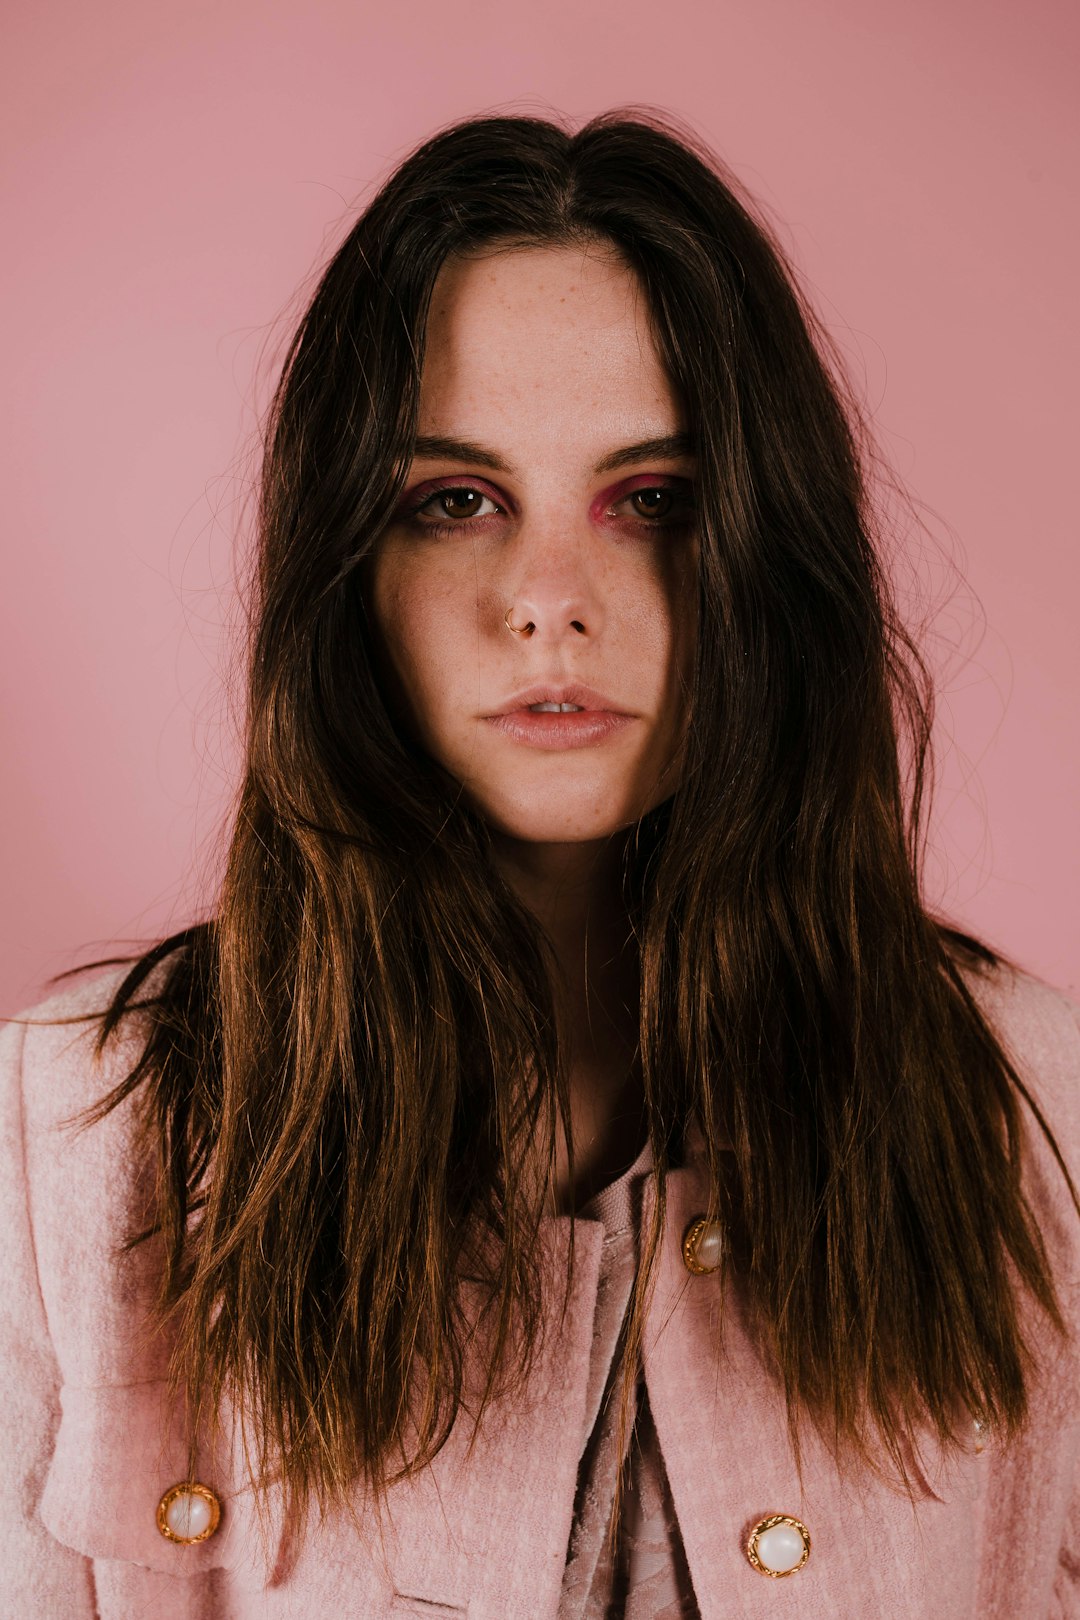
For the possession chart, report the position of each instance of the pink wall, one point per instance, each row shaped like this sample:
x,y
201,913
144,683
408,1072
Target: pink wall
x,y
175,173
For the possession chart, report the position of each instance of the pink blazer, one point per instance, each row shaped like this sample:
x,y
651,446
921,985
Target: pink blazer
x,y
89,1447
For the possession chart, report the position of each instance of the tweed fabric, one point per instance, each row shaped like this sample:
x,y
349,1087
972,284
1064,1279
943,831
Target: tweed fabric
x,y
89,1441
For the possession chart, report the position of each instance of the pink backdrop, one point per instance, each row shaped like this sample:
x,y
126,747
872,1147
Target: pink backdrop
x,y
174,176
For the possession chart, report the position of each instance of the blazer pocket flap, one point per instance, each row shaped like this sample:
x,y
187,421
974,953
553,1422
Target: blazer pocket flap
x,y
421,1608
119,1449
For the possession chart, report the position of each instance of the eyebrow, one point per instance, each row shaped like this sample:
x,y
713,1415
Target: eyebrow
x,y
436,446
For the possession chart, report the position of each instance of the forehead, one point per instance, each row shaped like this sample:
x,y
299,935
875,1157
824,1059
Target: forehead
x,y
527,340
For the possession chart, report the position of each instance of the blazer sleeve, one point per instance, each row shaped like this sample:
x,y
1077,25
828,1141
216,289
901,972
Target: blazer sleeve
x,y
1067,1578
1067,1581
39,1578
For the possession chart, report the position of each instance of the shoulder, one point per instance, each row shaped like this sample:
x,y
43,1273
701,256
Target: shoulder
x,y
1038,1027
49,1051
85,1186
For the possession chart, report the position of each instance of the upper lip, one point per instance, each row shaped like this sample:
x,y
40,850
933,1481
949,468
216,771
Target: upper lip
x,y
585,697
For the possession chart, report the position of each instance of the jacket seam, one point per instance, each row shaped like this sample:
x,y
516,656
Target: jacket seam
x,y
20,1103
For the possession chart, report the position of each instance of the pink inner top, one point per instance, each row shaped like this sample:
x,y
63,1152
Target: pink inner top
x,y
647,1576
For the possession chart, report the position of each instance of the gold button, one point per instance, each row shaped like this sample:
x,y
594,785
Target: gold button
x,y
703,1246
778,1545
188,1512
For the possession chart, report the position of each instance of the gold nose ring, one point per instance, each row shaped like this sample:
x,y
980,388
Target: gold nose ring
x,y
515,628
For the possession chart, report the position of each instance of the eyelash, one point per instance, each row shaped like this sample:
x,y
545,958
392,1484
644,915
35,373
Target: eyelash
x,y
446,529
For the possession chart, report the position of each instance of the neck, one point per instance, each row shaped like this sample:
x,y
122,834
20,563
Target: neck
x,y
574,891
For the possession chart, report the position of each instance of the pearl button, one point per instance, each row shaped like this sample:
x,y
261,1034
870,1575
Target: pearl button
x,y
703,1245
188,1512
778,1545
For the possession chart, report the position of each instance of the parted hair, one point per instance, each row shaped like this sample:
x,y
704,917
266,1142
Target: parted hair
x,y
349,1061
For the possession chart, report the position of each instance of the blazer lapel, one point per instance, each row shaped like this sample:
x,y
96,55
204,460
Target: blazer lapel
x,y
722,1426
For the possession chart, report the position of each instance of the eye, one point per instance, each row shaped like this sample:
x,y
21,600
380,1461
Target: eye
x,y
658,501
453,507
667,506
459,503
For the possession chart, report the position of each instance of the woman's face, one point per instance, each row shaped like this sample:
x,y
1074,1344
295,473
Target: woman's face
x,y
551,509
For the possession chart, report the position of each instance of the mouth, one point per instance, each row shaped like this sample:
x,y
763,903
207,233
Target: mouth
x,y
551,699
574,728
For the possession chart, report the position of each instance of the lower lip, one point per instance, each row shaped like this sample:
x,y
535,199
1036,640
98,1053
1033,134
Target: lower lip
x,y
548,730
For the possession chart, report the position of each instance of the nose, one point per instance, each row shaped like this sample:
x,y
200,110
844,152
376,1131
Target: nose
x,y
551,590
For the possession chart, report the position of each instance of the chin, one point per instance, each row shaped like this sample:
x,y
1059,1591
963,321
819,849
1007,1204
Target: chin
x,y
553,818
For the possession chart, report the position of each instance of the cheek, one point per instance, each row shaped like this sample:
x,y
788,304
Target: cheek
x,y
669,641
662,622
680,607
392,599
418,627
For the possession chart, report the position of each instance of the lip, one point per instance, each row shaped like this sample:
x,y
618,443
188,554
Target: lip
x,y
560,730
586,698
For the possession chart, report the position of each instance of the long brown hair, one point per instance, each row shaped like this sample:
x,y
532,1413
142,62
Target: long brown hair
x,y
326,1081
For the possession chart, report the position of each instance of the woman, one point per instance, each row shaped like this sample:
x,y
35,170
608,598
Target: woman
x,y
571,1172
